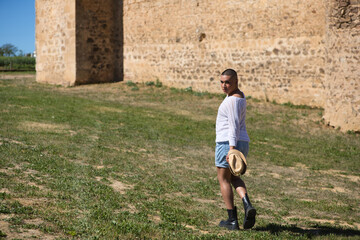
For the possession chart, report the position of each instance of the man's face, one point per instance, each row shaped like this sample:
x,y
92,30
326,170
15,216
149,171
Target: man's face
x,y
228,85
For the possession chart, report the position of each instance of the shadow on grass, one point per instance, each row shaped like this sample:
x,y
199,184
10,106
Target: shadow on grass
x,y
314,231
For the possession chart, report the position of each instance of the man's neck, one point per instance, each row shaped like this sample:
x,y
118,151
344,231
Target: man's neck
x,y
236,91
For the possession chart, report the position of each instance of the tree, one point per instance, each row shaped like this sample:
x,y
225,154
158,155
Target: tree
x,y
8,49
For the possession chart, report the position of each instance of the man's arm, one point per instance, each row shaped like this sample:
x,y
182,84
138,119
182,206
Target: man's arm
x,y
227,156
233,119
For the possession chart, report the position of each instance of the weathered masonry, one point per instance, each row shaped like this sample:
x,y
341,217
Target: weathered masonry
x,y
304,52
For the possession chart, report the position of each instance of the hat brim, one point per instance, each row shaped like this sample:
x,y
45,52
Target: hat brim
x,y
237,162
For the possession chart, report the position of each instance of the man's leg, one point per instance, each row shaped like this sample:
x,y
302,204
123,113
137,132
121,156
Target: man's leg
x,y
239,185
224,177
250,211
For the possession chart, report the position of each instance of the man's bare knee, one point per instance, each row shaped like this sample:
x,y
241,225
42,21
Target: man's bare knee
x,y
237,182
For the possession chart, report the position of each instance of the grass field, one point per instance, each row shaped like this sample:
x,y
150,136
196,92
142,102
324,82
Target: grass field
x,y
126,161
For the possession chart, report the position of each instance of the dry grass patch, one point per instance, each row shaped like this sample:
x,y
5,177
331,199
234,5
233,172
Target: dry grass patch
x,y
116,185
17,76
119,186
103,109
46,127
341,174
33,202
3,140
21,233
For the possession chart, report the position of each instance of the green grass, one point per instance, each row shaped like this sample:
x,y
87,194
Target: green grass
x,y
289,104
107,161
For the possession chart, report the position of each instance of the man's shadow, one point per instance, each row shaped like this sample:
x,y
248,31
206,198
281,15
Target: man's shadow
x,y
314,231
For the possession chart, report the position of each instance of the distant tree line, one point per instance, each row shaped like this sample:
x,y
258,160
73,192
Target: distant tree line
x,y
10,61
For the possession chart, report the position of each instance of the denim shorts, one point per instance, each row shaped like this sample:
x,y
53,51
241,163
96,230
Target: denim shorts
x,y
222,149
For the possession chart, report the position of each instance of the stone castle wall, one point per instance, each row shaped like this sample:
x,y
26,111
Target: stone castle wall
x,y
304,52
342,108
98,41
276,46
55,41
78,42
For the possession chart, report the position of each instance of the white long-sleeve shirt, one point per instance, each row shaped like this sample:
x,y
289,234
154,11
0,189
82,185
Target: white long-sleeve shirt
x,y
230,121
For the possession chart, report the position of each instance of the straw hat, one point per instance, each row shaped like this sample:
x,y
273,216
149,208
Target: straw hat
x,y
237,162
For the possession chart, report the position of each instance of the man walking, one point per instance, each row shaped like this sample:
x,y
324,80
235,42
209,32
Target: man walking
x,y
231,134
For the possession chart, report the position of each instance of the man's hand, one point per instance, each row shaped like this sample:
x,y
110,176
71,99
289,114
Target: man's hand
x,y
227,156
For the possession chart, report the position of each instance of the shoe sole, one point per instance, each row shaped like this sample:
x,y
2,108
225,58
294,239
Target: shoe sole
x,y
249,221
230,227
233,228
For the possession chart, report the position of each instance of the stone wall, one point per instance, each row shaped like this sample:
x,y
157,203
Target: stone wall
x,y
79,41
303,52
342,108
98,41
55,41
276,46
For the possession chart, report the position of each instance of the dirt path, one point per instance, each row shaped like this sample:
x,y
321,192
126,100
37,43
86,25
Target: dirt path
x,y
17,76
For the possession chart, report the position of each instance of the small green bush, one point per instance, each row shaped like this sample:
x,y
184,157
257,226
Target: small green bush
x,y
130,84
151,83
158,83
2,234
188,89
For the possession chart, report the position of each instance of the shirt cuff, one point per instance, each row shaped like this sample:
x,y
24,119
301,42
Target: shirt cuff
x,y
232,142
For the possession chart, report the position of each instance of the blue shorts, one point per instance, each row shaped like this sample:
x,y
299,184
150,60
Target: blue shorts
x,y
222,149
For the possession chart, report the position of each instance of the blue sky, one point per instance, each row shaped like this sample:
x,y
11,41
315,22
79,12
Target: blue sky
x,y
17,24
